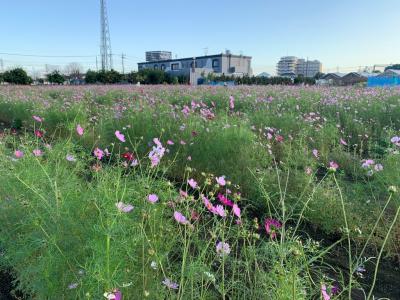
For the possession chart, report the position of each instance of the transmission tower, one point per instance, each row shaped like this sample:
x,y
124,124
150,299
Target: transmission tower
x,y
105,43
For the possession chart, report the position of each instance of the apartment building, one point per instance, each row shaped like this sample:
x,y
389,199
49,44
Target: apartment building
x,y
224,63
291,66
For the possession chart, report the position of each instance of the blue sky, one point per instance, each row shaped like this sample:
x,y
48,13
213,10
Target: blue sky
x,y
340,33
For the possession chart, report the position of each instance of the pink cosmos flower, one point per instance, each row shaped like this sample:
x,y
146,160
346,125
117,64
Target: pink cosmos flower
x,y
223,248
157,153
224,200
221,180
73,286
271,225
170,284
169,142
18,154
219,210
236,210
122,207
153,198
114,295
120,136
231,102
325,295
367,163
37,119
207,203
183,142
70,158
37,152
308,171
192,183
343,142
98,153
395,140
183,194
378,167
180,218
315,153
333,166
79,130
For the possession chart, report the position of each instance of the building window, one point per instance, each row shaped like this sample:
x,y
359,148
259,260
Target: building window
x,y
215,63
174,66
155,67
163,67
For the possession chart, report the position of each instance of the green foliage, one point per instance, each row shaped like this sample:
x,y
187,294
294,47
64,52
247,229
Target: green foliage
x,y
55,77
393,67
17,76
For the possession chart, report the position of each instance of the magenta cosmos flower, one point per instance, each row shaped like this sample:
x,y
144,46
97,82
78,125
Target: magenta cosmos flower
x,y
120,136
125,208
271,225
153,198
224,200
79,130
180,218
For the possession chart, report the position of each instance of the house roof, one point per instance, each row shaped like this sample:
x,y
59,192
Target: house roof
x,y
394,71
336,75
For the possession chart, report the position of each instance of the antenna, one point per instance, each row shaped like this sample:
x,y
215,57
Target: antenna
x,y
105,43
205,51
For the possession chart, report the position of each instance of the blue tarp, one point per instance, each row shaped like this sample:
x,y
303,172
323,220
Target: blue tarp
x,y
383,81
222,83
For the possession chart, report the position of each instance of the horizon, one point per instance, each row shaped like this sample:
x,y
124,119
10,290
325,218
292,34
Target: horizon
x,y
342,36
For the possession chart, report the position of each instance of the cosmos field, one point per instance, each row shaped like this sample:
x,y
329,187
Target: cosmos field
x,y
177,192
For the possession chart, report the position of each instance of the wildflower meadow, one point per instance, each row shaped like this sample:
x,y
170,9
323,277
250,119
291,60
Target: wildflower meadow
x,y
178,192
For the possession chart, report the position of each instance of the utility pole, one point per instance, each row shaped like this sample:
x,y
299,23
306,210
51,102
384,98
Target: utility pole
x,y
122,62
1,65
97,65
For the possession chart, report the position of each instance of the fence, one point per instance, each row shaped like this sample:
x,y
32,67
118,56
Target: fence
x,y
383,81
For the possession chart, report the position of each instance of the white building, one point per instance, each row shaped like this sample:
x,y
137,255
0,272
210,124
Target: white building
x,y
287,66
291,66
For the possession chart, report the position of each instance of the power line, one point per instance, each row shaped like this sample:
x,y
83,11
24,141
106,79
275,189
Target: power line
x,y
46,56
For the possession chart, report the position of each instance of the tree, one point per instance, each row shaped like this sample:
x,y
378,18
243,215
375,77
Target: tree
x,y
17,76
74,70
91,77
55,77
393,67
319,75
